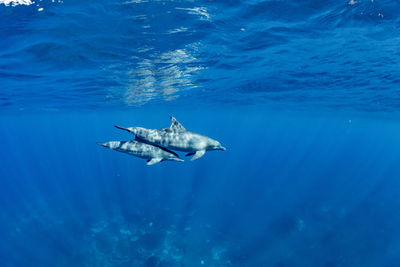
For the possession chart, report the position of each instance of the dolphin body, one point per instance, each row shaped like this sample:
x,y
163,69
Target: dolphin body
x,y
176,137
153,154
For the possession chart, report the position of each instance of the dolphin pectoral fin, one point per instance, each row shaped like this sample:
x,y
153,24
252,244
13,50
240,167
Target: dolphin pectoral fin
x,y
189,154
153,161
198,154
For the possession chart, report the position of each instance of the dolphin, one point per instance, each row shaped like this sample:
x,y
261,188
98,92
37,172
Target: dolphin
x,y
153,154
176,137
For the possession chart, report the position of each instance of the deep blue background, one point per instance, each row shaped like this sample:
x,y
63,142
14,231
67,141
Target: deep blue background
x,y
304,95
291,190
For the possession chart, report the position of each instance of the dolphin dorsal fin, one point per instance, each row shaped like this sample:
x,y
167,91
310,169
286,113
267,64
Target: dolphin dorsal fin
x,y
176,126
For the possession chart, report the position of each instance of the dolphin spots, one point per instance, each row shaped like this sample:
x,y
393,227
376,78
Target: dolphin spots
x,y
158,144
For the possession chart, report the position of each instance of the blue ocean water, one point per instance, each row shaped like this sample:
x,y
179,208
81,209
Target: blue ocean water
x,y
304,95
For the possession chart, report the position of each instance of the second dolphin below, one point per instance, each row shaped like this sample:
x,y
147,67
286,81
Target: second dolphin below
x,y
153,154
176,137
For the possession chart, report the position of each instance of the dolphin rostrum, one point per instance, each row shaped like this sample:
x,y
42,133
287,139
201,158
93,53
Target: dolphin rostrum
x,y
176,137
153,154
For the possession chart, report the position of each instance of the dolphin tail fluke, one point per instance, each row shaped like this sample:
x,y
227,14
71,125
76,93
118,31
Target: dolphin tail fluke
x,y
101,144
122,128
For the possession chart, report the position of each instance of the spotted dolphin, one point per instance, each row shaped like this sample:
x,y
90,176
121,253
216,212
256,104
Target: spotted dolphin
x,y
176,137
153,154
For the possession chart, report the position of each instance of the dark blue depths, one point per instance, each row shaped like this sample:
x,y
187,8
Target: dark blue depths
x,y
291,190
304,95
